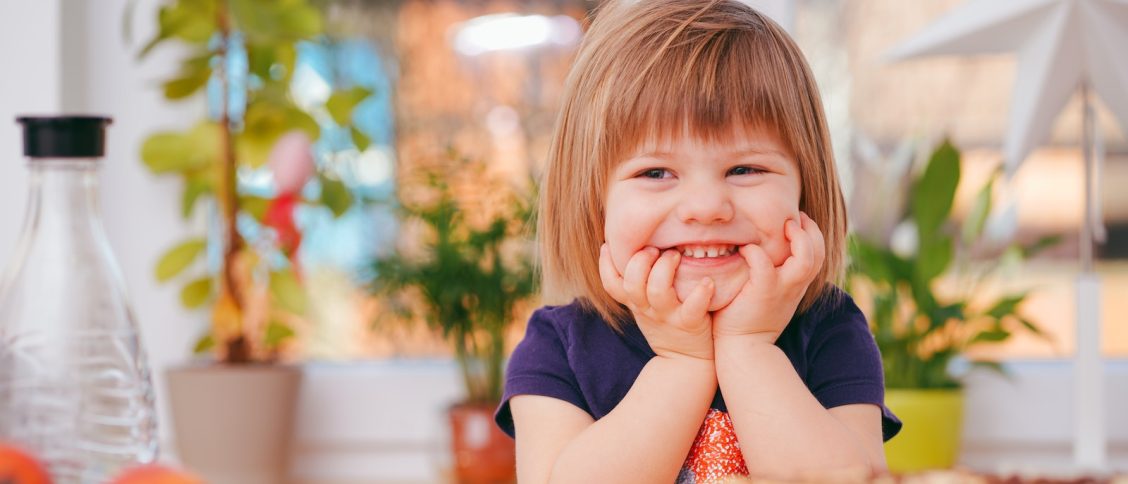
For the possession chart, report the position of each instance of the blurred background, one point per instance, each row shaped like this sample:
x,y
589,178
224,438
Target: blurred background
x,y
439,82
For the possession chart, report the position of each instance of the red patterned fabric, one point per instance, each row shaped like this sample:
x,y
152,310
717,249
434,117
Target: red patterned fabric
x,y
715,455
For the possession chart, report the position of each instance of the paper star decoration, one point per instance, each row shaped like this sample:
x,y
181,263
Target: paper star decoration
x,y
1061,45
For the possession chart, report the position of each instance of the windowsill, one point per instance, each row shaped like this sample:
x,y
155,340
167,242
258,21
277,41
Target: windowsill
x,y
384,421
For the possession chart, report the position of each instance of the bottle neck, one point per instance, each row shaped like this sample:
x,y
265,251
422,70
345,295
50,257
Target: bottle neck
x,y
63,191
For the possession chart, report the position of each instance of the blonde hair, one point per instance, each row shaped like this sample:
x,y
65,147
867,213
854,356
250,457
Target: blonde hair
x,y
653,69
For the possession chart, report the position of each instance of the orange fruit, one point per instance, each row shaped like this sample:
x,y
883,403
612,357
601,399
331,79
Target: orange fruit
x,y
155,474
19,467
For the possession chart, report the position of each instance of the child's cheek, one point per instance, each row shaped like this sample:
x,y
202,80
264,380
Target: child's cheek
x,y
620,254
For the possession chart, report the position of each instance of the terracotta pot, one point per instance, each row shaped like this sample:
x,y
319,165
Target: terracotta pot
x,y
483,454
234,423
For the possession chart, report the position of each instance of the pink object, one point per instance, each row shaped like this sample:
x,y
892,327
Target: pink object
x,y
291,161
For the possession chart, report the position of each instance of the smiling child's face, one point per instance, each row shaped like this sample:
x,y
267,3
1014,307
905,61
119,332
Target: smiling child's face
x,y
704,200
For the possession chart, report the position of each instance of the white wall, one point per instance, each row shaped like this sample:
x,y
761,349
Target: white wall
x,y
70,57
29,84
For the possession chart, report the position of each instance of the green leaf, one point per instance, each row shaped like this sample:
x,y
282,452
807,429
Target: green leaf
x,y
271,61
157,39
268,21
288,292
179,258
301,120
1006,306
871,261
1040,245
285,58
193,21
302,22
1031,327
992,366
335,195
169,152
195,293
941,315
266,121
194,188
186,85
977,217
934,258
935,190
342,103
276,334
204,344
991,336
359,139
254,206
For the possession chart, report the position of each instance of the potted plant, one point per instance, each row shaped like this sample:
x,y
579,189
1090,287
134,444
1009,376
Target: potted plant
x,y
920,328
466,277
233,419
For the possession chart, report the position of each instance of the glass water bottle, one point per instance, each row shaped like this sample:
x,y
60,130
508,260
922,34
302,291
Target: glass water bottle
x,y
75,389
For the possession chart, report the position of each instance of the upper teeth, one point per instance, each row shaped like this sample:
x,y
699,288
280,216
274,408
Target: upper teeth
x,y
701,251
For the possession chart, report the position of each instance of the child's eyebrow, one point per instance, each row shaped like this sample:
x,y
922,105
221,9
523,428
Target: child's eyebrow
x,y
741,153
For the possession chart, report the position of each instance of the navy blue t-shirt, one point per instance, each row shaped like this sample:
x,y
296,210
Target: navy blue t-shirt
x,y
571,354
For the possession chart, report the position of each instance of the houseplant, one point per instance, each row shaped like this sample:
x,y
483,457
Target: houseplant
x,y
466,277
920,328
241,54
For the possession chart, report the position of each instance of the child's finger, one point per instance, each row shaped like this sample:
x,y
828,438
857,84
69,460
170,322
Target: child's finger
x,y
760,265
612,281
636,274
660,287
697,304
797,267
818,241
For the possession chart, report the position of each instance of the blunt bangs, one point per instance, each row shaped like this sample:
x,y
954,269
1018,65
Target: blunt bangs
x,y
716,73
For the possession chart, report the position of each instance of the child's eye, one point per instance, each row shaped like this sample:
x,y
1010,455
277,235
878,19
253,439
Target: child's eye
x,y
745,170
655,173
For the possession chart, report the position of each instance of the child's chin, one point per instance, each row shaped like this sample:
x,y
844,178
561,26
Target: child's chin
x,y
728,286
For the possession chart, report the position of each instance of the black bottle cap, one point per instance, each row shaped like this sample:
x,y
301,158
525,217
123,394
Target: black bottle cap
x,y
64,136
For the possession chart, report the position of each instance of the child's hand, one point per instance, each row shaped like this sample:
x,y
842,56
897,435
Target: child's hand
x,y
766,303
646,287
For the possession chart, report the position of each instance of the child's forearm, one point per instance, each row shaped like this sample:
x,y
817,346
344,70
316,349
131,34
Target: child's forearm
x,y
784,432
647,436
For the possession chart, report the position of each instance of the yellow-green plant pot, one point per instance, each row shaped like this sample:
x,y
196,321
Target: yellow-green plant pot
x,y
930,438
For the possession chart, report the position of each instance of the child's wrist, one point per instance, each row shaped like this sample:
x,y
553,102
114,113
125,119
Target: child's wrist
x,y
744,341
701,359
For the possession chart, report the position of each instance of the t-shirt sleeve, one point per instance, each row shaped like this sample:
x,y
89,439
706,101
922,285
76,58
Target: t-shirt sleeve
x,y
845,364
539,366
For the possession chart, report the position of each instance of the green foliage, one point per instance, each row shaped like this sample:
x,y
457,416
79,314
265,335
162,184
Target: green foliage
x,y
918,330
335,195
188,153
196,293
342,103
467,278
205,344
277,333
288,292
205,155
179,258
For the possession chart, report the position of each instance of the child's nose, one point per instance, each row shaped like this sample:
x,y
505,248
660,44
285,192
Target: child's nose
x,y
706,205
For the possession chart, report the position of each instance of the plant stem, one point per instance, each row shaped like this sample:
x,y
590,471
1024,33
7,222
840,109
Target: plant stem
x,y
464,365
238,350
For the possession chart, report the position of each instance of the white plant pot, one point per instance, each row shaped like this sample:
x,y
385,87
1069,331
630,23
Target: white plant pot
x,y
234,423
